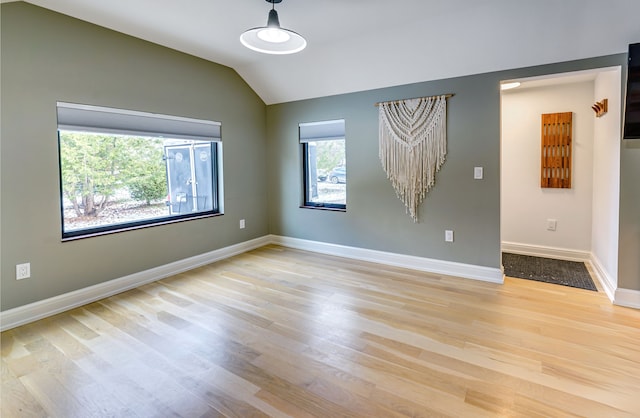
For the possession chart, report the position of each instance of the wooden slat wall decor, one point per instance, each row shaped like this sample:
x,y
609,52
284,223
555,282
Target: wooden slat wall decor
x,y
556,153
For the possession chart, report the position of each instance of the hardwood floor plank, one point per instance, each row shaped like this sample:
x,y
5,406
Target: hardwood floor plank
x,y
17,400
282,405
53,397
281,332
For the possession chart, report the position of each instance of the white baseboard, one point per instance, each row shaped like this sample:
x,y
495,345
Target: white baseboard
x,y
543,251
32,312
605,279
449,268
627,297
41,309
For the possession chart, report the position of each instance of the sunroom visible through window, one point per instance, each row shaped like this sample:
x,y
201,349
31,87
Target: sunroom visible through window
x,y
122,169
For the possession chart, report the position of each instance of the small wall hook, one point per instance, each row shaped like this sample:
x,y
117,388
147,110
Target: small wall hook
x,y
601,107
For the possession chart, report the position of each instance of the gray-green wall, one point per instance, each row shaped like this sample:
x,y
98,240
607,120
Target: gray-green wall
x,y
49,57
629,244
376,219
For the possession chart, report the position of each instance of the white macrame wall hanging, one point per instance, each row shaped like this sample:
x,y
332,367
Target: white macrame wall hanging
x,y
413,146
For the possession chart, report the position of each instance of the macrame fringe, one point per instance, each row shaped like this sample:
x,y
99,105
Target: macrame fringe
x,y
413,146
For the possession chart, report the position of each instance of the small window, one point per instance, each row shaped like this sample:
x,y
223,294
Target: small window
x,y
324,164
123,169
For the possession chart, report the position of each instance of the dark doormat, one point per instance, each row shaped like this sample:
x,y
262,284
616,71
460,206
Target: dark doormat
x,y
566,273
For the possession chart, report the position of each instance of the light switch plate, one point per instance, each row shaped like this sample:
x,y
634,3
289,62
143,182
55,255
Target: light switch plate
x,y
478,173
448,235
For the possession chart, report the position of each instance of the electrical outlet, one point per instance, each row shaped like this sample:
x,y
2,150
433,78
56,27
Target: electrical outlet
x,y
23,271
242,224
448,235
551,224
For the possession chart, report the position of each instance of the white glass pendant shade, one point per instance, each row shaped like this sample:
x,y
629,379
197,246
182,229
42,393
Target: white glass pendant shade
x,y
273,35
272,39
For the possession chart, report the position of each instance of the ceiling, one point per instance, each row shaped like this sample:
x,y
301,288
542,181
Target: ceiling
x,y
357,45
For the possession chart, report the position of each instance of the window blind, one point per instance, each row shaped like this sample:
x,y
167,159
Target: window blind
x,y
322,131
87,118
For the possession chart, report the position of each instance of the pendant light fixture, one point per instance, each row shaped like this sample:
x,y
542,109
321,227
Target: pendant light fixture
x,y
272,39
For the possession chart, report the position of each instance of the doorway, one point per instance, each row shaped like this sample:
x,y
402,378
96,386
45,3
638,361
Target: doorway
x,y
578,223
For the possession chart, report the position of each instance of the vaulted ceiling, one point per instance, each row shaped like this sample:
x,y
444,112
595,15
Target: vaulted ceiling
x,y
358,45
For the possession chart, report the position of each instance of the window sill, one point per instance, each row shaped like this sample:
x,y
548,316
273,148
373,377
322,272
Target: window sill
x,y
329,208
116,229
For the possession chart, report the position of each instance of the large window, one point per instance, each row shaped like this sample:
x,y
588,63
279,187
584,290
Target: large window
x,y
122,169
324,164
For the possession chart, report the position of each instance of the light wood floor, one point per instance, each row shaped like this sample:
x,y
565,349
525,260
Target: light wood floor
x,y
281,332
